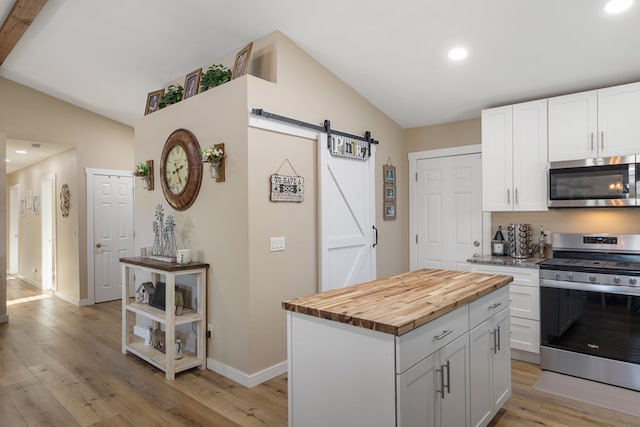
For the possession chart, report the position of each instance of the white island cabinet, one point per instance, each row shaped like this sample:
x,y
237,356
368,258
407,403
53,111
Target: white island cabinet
x,y
397,352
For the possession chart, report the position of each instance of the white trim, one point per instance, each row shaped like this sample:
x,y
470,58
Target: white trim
x,y
413,196
91,173
276,126
445,152
247,380
71,300
29,281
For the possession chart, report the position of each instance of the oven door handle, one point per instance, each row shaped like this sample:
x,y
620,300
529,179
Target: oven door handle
x,y
580,286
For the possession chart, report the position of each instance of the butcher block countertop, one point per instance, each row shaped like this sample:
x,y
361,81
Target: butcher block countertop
x,y
399,304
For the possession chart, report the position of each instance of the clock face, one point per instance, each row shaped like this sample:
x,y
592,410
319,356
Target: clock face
x,y
176,169
181,169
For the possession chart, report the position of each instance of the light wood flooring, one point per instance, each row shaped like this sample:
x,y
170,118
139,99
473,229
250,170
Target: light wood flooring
x,y
61,365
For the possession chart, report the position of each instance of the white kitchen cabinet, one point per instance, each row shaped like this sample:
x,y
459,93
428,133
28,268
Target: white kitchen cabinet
x,y
514,157
435,391
524,296
490,384
596,123
192,277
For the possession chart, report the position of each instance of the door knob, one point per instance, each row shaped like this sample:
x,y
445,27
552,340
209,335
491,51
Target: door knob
x,y
476,243
99,245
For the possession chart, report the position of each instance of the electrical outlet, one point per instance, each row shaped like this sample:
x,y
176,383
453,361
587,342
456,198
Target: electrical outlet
x,y
277,244
209,330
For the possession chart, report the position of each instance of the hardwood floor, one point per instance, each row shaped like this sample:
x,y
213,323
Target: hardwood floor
x,y
61,365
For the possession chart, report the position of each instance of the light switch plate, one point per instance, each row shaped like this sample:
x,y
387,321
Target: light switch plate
x,y
277,244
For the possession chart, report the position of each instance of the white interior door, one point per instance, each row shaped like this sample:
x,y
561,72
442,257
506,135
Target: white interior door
x,y
347,219
449,211
14,214
48,223
112,232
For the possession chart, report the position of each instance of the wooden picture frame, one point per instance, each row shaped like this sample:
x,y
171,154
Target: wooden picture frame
x,y
191,83
389,192
389,211
389,173
153,100
36,204
241,63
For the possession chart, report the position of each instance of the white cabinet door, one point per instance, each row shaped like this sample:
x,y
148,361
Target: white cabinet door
x,y
490,368
619,120
514,157
501,361
573,126
417,393
530,156
481,343
454,398
497,159
525,335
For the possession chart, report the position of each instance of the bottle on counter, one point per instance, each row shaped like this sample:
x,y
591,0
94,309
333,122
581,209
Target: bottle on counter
x,y
542,252
497,244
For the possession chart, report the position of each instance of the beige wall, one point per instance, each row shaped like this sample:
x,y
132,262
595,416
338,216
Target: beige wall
x,y
445,135
63,166
100,143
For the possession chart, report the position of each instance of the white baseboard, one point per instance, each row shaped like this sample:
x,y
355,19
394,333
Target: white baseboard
x,y
525,356
85,302
247,380
4,318
67,298
31,282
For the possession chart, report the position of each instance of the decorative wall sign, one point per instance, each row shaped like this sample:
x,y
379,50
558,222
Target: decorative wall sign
x,y
390,192
65,200
342,146
287,188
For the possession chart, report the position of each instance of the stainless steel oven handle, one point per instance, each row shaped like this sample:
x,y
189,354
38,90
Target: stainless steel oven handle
x,y
582,286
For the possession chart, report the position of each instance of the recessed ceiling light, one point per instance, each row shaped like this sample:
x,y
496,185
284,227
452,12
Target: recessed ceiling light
x,y
21,152
458,53
617,6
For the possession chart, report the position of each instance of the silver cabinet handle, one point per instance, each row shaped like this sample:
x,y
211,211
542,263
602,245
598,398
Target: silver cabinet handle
x,y
591,141
448,378
493,335
498,335
602,140
495,305
442,335
516,196
441,370
508,196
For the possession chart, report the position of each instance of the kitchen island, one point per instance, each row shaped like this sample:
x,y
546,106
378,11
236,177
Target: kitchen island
x,y
429,347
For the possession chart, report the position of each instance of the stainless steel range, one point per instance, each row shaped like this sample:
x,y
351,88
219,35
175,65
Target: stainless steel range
x,y
590,308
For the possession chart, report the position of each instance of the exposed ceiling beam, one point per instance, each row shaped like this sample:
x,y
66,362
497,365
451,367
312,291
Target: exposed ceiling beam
x,y
21,16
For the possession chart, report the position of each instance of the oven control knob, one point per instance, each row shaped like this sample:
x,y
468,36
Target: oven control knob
x,y
633,281
570,276
557,275
592,277
616,280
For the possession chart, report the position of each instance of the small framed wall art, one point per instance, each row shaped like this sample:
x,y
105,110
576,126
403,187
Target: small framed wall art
x,y
191,84
389,211
153,99
389,174
390,191
241,63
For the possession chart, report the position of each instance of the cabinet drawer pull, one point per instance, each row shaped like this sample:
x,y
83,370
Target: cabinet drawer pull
x,y
442,335
602,140
495,305
495,344
498,335
441,371
508,196
591,141
448,365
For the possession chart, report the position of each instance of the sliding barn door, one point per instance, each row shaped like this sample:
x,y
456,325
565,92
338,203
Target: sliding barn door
x,y
347,233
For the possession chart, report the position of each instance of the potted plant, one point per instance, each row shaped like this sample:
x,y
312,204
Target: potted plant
x,y
214,156
215,75
142,171
171,96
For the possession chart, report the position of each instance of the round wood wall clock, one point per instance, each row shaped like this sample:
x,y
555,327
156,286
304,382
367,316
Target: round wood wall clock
x,y
181,169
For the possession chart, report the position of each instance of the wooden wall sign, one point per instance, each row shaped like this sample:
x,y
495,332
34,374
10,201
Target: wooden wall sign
x,y
342,146
287,188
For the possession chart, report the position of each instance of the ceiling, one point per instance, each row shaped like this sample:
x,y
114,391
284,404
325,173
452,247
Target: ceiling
x,y
105,56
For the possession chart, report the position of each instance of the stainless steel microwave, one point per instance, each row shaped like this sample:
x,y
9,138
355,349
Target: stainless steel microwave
x,y
600,182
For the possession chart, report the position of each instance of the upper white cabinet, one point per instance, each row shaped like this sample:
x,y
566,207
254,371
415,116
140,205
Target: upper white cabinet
x,y
597,123
514,157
